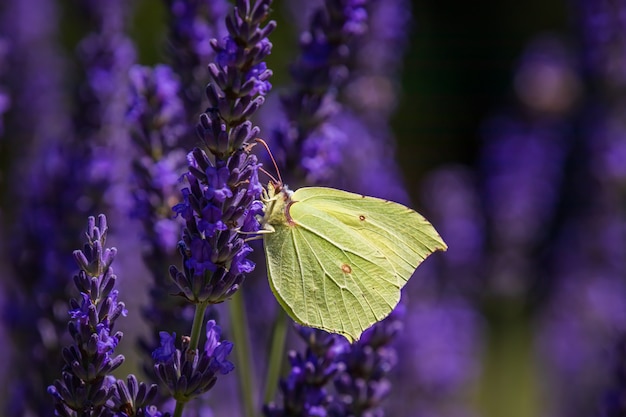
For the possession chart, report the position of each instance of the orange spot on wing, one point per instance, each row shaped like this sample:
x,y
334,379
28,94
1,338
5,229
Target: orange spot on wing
x,y
346,268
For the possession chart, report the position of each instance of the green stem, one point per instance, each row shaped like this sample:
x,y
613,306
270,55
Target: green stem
x,y
178,411
276,355
241,341
196,329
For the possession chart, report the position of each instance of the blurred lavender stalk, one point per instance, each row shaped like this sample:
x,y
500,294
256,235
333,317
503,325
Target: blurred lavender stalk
x,y
305,145
193,23
304,391
443,339
158,122
5,101
582,328
593,261
39,191
369,98
503,218
47,185
105,55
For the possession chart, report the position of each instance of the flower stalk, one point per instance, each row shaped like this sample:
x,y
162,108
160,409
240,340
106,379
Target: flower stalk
x,y
221,204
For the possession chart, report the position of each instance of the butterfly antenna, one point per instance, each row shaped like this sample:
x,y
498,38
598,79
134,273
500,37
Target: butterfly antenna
x,y
267,148
268,174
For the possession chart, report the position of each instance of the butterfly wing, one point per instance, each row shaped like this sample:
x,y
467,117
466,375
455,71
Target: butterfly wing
x,y
337,266
316,270
401,234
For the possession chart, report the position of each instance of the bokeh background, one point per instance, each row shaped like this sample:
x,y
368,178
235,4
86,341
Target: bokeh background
x,y
509,126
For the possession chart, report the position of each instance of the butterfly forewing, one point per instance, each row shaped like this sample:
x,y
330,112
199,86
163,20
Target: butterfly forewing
x,y
404,236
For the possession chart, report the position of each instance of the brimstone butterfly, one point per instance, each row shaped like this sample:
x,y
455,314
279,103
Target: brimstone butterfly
x,y
337,260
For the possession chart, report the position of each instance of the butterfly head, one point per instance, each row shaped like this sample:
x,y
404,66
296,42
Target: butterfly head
x,y
276,198
276,190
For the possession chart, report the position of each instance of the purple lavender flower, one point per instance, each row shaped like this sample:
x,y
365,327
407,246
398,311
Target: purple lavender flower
x,y
133,398
604,40
604,55
106,55
86,385
188,373
358,373
5,101
587,313
223,197
158,123
214,252
42,175
502,217
304,389
193,23
364,383
614,401
372,90
304,145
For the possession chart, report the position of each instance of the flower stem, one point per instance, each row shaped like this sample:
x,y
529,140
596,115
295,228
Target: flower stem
x,y
196,328
241,341
178,411
276,355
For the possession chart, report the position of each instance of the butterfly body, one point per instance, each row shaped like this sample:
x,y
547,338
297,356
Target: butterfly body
x,y
338,260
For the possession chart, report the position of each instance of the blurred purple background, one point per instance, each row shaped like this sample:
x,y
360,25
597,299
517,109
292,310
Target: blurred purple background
x,y
504,123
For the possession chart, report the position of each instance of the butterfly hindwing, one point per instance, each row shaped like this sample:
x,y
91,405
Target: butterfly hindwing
x,y
322,275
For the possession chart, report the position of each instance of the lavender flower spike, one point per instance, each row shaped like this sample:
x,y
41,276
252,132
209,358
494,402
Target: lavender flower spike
x,y
304,392
364,383
158,121
5,101
308,146
193,23
86,387
188,373
221,204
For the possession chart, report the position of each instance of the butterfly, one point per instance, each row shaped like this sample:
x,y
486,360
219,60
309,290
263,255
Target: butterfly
x,y
337,260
